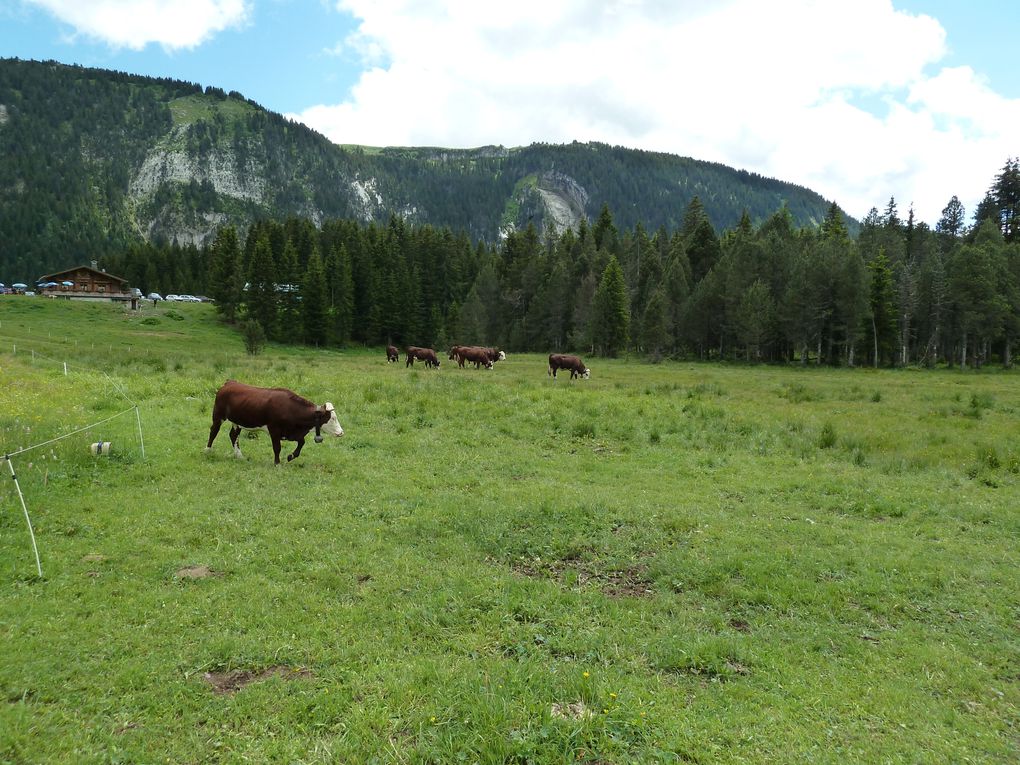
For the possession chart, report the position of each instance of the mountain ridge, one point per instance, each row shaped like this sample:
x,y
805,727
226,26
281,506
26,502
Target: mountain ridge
x,y
99,160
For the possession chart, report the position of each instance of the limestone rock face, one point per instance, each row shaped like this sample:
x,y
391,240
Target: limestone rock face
x,y
166,164
564,200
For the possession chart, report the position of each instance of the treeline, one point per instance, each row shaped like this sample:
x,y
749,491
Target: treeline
x,y
900,293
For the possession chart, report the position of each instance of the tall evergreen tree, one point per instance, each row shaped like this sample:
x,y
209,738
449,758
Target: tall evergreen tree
x,y
610,316
604,231
655,325
1006,193
226,277
882,329
314,310
261,300
950,226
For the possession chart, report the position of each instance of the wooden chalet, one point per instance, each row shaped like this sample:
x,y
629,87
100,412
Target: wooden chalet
x,y
87,283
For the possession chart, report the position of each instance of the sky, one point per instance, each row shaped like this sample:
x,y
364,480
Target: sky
x,y
859,100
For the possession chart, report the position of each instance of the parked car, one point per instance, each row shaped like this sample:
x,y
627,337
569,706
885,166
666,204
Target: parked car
x,y
154,296
173,298
188,299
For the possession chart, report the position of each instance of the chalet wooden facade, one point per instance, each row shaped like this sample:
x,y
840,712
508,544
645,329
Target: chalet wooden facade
x,y
87,283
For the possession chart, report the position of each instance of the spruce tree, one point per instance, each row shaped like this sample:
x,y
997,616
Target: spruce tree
x,y
882,329
226,278
261,300
610,317
314,310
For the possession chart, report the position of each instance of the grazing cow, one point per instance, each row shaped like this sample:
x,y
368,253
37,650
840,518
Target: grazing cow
x,y
286,415
577,368
477,356
392,354
495,354
454,354
427,355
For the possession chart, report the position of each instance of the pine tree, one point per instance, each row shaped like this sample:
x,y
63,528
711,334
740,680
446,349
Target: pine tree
x,y
950,225
289,294
882,330
604,231
834,227
700,240
261,299
654,325
754,318
610,317
226,278
340,279
313,301
1006,193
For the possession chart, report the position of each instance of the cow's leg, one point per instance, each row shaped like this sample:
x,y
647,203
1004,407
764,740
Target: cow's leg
x,y
297,452
409,362
234,433
213,432
276,447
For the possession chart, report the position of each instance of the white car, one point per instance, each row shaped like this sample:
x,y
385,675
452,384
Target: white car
x,y
173,298
188,299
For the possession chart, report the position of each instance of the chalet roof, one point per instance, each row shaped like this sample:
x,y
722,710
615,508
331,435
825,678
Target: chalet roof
x,y
62,275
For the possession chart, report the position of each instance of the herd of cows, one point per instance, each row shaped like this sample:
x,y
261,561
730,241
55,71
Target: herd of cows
x,y
289,417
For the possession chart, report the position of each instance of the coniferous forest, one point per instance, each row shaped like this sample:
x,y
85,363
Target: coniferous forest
x,y
899,293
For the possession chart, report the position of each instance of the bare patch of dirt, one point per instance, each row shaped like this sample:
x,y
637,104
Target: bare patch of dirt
x,y
740,625
235,680
631,582
195,572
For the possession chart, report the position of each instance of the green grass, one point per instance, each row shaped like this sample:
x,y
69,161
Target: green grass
x,y
708,563
189,109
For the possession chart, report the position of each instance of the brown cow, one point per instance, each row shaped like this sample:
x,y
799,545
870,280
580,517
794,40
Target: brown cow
x,y
392,354
286,415
577,368
495,354
477,356
454,354
428,355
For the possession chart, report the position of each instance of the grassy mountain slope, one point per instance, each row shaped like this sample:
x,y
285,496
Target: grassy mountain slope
x,y
96,160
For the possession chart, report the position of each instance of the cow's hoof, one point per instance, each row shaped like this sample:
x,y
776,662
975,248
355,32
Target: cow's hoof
x,y
318,439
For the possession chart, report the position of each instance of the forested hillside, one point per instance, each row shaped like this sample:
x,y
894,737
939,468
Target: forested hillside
x,y
96,162
900,293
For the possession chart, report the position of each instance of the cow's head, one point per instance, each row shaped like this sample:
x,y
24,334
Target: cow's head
x,y
502,356
328,423
586,373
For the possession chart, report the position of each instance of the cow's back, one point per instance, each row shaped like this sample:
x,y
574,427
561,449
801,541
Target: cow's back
x,y
252,407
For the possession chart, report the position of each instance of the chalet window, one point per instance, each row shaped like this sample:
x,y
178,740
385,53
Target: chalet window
x,y
101,288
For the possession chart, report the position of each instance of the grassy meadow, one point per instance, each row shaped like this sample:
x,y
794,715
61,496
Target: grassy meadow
x,y
665,563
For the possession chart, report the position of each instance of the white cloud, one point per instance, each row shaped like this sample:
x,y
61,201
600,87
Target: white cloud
x,y
775,88
136,23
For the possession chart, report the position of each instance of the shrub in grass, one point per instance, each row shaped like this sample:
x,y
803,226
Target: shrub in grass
x,y
654,436
583,429
150,321
254,337
827,436
174,315
876,396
